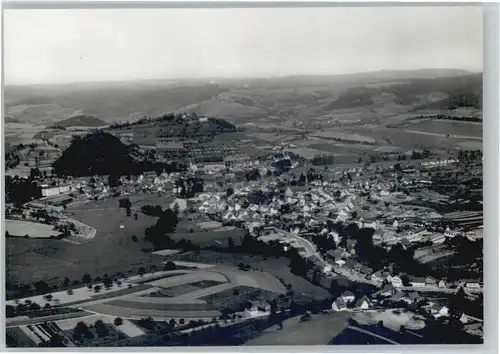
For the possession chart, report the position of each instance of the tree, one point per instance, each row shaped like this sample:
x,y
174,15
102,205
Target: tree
x,y
9,311
142,270
134,238
101,328
230,242
118,321
86,279
181,321
81,329
66,282
229,192
41,287
169,266
124,203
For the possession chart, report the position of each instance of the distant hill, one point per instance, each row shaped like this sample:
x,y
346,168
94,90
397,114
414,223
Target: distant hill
x,y
461,91
80,121
8,119
243,100
98,153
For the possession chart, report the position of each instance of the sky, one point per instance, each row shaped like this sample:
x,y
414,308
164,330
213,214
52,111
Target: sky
x,y
58,46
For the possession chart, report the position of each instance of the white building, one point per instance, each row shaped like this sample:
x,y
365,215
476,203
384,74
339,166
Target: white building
x,y
52,191
396,282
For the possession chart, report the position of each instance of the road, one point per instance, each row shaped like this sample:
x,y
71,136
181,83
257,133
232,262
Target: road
x,y
15,322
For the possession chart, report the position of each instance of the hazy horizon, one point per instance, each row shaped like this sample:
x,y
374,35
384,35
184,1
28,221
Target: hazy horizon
x,y
83,46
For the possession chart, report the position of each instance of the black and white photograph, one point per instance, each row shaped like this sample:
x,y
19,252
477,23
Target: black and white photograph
x,y
243,176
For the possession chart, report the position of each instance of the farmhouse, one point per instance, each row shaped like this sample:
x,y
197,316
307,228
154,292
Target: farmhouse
x,y
363,303
347,296
396,282
417,282
339,305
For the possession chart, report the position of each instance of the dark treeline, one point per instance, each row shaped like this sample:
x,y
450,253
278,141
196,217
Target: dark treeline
x,y
101,153
21,190
323,160
183,126
448,117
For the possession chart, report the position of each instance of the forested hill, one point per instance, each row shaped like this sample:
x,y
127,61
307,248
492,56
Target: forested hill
x,y
171,126
80,121
98,153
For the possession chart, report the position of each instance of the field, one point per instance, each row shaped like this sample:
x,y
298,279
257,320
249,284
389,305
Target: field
x,y
318,331
337,135
189,295
441,126
111,250
32,229
278,267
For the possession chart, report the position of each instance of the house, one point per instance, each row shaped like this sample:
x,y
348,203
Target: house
x,y
430,281
52,191
439,311
417,282
334,255
363,303
398,296
471,284
386,291
377,277
340,263
464,318
442,283
414,296
438,238
351,245
347,296
339,305
396,282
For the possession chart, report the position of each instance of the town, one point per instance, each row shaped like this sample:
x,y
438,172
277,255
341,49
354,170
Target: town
x,y
377,236
244,176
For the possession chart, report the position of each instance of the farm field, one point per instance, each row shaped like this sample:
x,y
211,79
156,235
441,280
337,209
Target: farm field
x,y
21,228
278,267
405,139
442,126
111,250
318,331
341,135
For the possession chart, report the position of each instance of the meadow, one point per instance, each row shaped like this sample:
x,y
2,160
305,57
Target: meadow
x,y
111,250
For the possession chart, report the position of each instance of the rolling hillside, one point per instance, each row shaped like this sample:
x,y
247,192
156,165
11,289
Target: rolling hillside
x,y
242,100
80,121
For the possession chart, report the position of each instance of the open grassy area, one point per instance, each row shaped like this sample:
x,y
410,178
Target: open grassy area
x,y
183,289
451,127
111,250
318,331
32,229
278,267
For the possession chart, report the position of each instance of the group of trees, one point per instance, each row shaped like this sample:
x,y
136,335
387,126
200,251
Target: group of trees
x,y
253,175
82,331
188,187
21,190
158,233
323,160
152,210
